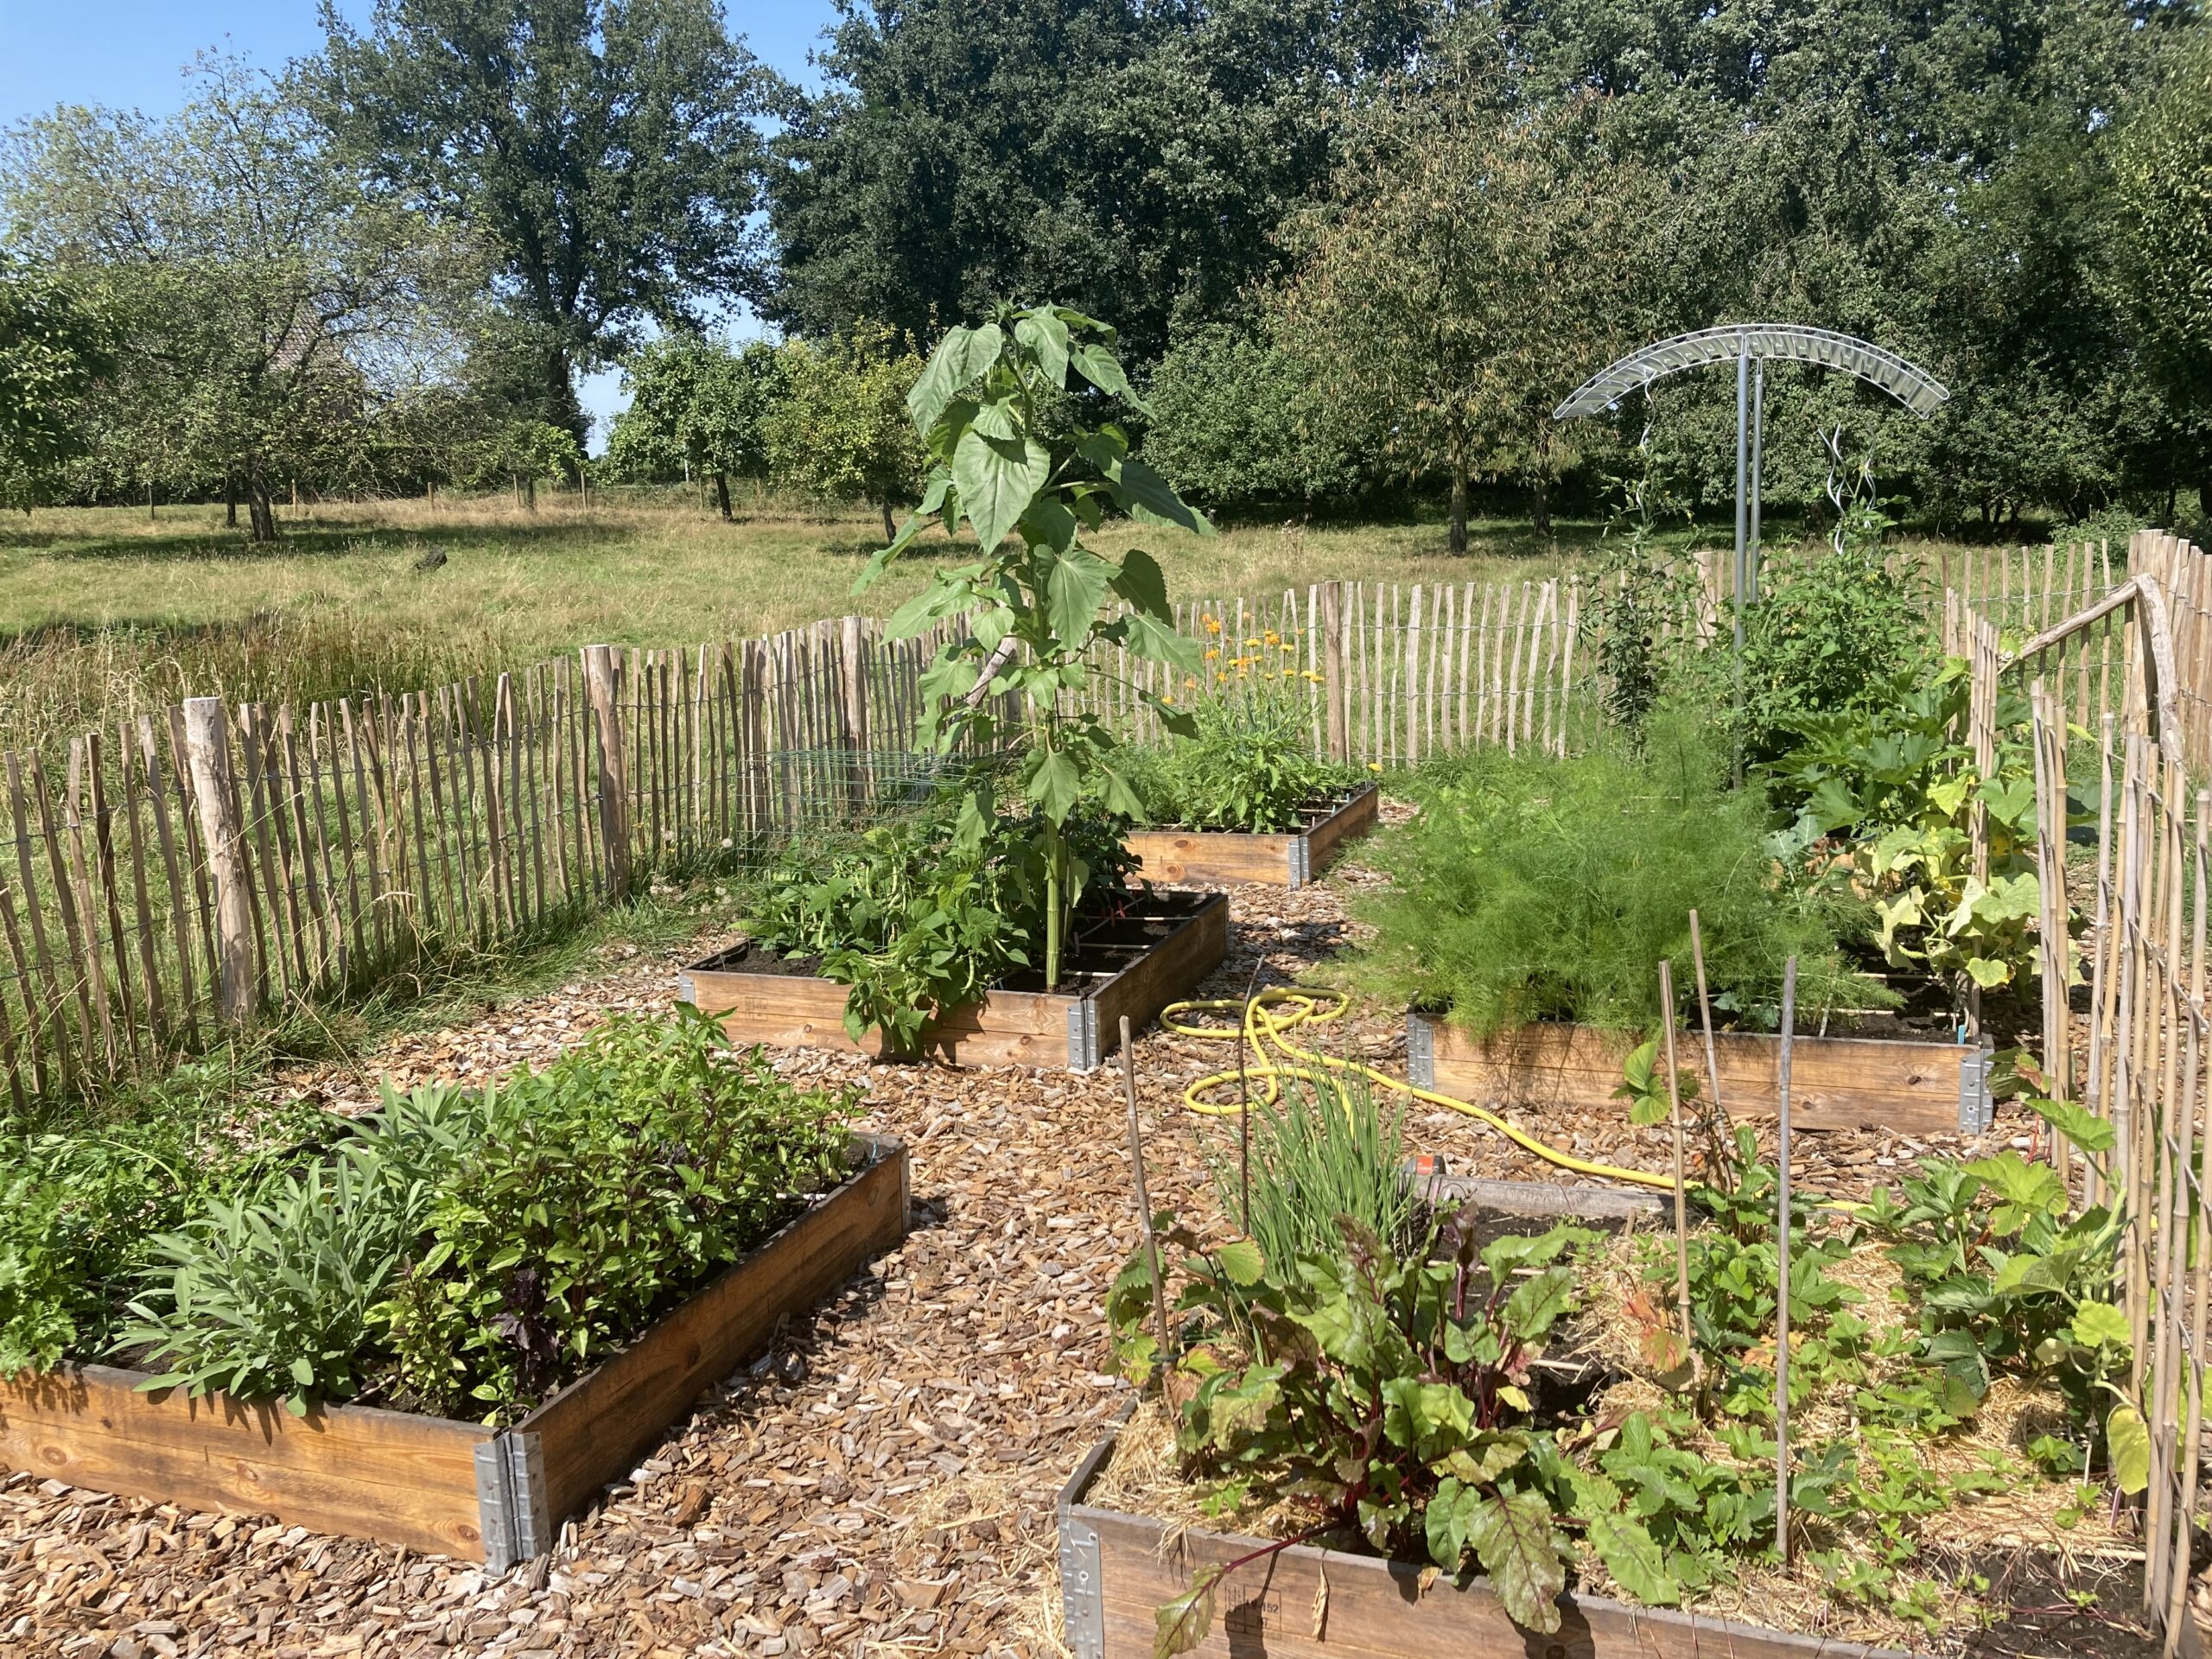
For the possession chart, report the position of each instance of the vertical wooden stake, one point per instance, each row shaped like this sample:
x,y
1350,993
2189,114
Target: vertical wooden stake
x,y
1333,667
1144,1200
1681,1195
1782,1275
613,802
207,752
1717,1124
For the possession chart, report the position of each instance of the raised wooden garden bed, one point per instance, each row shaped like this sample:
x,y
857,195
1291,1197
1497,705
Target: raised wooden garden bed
x,y
1290,860
1308,1603
498,1496
1835,1083
1133,965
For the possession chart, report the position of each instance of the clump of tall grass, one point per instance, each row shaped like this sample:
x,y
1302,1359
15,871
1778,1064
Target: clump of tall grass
x,y
1534,889
1323,1150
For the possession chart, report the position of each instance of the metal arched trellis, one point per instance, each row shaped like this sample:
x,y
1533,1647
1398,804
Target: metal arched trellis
x,y
1749,344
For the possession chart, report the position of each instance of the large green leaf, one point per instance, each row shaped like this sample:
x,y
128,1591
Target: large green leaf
x,y
1449,1514
1056,785
1075,581
1634,1560
1516,1541
926,401
1046,335
1100,366
2086,1131
997,478
1150,499
1537,1302
1158,642
1182,1623
2096,1323
1143,584
1430,1420
2127,1444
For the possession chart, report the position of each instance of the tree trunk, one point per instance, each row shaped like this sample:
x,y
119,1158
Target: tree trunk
x,y
562,409
530,493
721,495
890,529
1458,504
1540,510
231,503
261,513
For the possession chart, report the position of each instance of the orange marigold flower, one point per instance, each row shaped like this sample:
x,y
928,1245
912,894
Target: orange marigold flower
x,y
1213,624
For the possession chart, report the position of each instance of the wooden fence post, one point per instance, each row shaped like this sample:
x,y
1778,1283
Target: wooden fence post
x,y
614,797
1332,665
852,710
207,752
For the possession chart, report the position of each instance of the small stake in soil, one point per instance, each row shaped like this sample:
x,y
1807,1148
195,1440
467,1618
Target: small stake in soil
x,y
1782,1274
1716,1116
1243,1096
1681,1195
1144,1200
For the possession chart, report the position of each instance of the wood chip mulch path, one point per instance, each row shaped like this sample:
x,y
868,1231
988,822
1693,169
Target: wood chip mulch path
x,y
882,1481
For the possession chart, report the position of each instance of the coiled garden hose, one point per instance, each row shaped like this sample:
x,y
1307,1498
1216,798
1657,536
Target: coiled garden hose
x,y
1262,1025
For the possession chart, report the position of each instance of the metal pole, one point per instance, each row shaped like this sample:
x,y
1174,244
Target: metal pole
x,y
1743,368
1743,433
1758,433
1782,1275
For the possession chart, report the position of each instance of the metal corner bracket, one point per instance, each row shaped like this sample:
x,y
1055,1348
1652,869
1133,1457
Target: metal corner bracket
x,y
1421,1050
1977,1110
1083,1034
512,1506
1301,860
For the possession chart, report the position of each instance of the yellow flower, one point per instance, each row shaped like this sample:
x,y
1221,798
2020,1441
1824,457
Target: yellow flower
x,y
1374,766
1290,648
1220,677
1251,642
1189,681
1213,651
1274,639
1167,696
1213,624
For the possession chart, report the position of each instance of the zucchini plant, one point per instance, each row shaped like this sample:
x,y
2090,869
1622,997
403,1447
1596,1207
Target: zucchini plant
x,y
1012,457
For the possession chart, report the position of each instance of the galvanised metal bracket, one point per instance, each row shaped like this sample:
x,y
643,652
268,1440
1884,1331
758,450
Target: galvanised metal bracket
x,y
1420,1051
1083,1034
1977,1110
1301,860
1083,1592
511,1499
1083,1578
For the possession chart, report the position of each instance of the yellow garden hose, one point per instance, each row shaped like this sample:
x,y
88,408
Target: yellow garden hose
x,y
1262,1025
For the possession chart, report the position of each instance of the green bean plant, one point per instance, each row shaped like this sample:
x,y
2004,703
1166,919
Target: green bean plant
x,y
1013,456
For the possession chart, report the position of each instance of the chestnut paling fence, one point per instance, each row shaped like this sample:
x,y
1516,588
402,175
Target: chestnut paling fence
x,y
2134,1052
208,865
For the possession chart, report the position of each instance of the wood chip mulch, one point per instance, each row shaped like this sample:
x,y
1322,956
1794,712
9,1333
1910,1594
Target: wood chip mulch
x,y
882,1481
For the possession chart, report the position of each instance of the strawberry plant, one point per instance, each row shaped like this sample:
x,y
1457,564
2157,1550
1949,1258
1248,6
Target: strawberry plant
x,y
1039,606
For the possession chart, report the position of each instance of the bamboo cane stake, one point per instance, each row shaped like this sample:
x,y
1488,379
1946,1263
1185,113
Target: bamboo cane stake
x,y
1681,1194
1144,1201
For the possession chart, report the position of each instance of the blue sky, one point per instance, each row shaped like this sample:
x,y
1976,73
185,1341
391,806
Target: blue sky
x,y
130,54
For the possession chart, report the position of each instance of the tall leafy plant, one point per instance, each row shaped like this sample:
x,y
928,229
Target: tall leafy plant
x,y
1013,456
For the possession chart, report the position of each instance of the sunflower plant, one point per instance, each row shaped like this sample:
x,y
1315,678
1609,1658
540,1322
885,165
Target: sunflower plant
x,y
1037,601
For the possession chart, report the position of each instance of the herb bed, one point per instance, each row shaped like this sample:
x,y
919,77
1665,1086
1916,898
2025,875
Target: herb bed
x,y
1289,860
1930,1086
434,1484
1131,965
